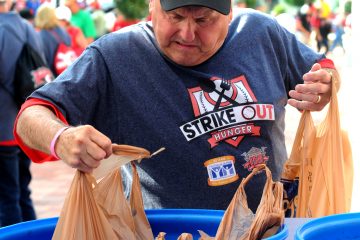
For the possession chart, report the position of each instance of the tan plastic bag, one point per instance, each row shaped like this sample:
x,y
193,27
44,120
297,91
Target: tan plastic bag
x,y
160,236
142,225
81,217
321,162
100,210
269,216
185,236
110,197
122,154
240,223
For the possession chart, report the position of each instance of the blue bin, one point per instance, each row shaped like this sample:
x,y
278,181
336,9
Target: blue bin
x,y
338,226
172,221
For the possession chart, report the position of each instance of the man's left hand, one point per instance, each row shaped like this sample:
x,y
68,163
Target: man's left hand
x,y
315,92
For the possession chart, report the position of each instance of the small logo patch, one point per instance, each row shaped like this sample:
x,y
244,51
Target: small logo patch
x,y
254,157
221,170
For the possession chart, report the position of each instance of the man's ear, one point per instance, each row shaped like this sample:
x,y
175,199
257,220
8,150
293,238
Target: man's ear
x,y
230,15
151,5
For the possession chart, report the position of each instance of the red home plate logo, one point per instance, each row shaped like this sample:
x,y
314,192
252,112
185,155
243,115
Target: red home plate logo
x,y
227,112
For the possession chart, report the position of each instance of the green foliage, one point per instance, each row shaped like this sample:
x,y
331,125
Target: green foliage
x,y
297,3
251,3
348,7
132,9
278,9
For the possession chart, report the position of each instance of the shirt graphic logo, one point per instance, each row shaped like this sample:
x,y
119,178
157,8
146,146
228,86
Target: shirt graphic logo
x,y
221,170
41,76
255,157
226,110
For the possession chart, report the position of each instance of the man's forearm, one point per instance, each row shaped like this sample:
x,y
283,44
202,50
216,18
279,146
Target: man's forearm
x,y
36,126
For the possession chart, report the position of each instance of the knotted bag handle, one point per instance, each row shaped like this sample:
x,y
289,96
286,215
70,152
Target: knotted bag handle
x,y
257,169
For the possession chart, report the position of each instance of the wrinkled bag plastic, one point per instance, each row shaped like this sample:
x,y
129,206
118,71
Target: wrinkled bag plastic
x,y
239,222
318,175
99,210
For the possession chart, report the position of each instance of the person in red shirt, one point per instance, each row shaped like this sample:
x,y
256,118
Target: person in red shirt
x,y
121,22
78,40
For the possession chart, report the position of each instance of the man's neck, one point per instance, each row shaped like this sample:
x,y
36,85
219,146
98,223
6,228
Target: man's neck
x,y
3,8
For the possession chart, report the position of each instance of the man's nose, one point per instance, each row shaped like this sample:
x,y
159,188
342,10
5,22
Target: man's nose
x,y
187,31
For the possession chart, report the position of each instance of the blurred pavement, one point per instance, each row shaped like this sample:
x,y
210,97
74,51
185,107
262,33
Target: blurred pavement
x,y
50,184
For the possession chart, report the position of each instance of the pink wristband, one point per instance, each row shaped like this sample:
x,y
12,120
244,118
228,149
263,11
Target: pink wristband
x,y
54,140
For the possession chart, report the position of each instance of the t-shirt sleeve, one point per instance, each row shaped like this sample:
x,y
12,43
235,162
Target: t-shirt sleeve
x,y
326,63
74,96
79,91
299,57
35,155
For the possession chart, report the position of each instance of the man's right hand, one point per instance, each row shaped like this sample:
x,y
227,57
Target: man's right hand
x,y
83,147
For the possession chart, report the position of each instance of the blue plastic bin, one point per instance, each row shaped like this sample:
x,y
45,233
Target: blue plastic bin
x,y
339,226
172,221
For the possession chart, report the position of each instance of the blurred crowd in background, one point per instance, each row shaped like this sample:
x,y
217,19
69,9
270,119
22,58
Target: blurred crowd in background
x,y
322,24
94,18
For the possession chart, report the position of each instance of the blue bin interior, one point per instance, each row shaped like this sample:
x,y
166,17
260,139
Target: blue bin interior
x,y
339,226
172,221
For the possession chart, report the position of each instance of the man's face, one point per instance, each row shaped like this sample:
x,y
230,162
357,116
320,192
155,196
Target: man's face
x,y
6,5
189,35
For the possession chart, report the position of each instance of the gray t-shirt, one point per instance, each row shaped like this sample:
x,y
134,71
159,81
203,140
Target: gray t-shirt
x,y
214,135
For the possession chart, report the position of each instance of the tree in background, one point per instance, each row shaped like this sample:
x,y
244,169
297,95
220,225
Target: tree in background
x,y
347,7
297,3
132,9
129,12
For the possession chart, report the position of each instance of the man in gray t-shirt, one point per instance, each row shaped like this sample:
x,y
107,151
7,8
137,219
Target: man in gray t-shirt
x,y
208,86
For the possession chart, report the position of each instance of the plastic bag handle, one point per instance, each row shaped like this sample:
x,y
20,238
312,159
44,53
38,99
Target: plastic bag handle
x,y
257,169
306,122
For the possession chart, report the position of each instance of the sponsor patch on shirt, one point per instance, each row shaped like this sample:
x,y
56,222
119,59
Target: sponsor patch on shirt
x,y
255,157
221,170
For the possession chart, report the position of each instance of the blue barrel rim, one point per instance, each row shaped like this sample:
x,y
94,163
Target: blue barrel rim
x,y
7,231
40,223
283,234
317,223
